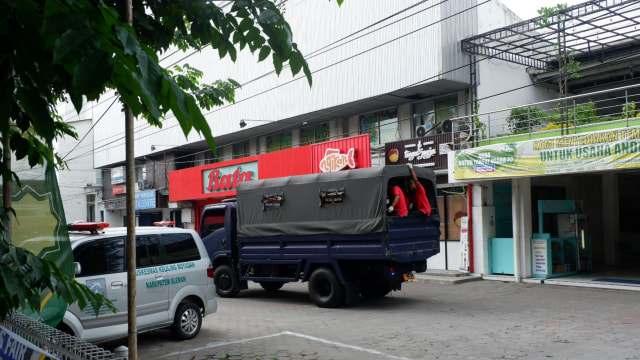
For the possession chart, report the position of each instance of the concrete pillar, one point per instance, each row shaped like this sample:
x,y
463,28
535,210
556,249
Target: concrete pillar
x,y
524,222
516,215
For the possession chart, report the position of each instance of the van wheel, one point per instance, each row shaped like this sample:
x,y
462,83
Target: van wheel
x,y
271,285
225,281
325,289
187,321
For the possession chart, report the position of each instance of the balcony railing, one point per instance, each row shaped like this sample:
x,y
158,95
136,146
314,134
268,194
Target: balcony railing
x,y
601,110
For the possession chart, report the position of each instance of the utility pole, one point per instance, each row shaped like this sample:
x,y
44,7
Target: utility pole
x,y
131,219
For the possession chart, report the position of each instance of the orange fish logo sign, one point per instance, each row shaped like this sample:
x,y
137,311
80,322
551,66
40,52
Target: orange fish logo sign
x,y
334,161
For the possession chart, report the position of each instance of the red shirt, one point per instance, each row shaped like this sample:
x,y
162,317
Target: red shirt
x,y
400,209
422,203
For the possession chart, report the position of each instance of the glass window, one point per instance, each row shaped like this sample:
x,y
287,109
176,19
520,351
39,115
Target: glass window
x,y
279,142
180,247
99,257
147,251
210,158
381,126
446,108
314,135
423,115
241,150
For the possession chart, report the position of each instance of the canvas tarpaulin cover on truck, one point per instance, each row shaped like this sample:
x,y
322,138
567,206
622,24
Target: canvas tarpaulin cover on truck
x,y
293,206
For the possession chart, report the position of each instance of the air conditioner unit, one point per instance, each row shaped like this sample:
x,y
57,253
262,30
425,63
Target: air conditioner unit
x,y
421,130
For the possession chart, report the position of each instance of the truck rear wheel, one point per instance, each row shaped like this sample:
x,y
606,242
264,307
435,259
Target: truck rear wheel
x,y
225,281
325,289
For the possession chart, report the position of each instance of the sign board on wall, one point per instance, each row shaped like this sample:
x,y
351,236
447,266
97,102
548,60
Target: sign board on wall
x,y
219,180
228,177
118,175
539,256
118,189
603,150
341,154
464,244
145,199
427,151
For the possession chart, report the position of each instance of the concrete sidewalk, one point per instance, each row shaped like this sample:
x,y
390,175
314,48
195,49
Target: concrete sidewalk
x,y
445,277
452,277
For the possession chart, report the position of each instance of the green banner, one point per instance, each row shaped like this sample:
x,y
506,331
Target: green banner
x,y
603,150
40,227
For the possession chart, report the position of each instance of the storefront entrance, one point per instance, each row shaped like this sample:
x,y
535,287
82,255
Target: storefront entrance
x,y
611,208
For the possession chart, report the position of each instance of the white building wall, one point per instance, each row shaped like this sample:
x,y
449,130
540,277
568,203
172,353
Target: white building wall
x,y
80,179
496,77
395,53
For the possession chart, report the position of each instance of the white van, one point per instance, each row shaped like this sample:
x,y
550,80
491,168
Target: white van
x,y
174,285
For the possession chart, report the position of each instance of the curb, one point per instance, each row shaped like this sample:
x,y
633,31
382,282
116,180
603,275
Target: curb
x,y
445,279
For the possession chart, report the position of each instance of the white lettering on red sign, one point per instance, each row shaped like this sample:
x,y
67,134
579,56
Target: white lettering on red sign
x,y
334,161
218,182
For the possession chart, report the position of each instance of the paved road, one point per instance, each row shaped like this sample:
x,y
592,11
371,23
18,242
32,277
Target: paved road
x,y
473,320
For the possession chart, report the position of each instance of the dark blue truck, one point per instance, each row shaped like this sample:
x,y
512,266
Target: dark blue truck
x,y
330,229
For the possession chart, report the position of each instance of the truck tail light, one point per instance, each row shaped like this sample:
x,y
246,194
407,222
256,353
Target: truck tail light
x,y
210,272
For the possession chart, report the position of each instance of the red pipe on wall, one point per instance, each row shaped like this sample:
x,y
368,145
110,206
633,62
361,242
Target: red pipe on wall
x,y
470,230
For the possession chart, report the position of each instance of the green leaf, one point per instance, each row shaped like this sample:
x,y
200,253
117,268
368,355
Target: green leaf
x,y
11,281
128,40
252,34
295,61
264,52
152,77
222,50
245,25
277,63
38,109
268,16
73,43
92,73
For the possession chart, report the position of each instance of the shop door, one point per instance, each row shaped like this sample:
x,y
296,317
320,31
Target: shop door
x,y
504,217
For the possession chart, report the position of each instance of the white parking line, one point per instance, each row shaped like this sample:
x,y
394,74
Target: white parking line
x,y
334,343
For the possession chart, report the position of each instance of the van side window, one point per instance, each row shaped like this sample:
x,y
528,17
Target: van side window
x,y
103,256
147,251
180,247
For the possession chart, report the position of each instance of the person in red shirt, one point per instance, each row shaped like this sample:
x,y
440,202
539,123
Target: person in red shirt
x,y
419,196
398,206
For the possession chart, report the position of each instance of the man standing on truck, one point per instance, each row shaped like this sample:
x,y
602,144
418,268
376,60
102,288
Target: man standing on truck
x,y
398,206
419,199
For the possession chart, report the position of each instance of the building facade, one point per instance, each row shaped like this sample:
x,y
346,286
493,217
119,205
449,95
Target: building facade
x,y
401,73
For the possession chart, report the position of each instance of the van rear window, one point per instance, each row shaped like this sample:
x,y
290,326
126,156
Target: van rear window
x,y
180,247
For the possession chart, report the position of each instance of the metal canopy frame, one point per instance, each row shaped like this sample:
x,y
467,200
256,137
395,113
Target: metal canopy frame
x,y
589,31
